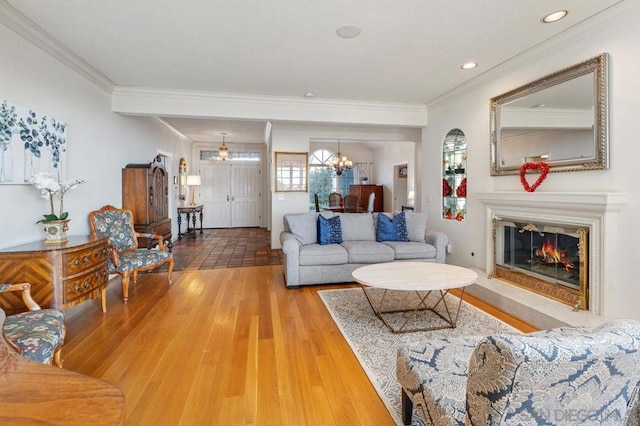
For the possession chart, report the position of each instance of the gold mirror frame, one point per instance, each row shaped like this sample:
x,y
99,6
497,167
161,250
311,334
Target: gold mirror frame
x,y
292,172
598,145
182,180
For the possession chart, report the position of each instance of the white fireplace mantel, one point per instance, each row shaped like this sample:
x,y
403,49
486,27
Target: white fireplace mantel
x,y
599,202
597,210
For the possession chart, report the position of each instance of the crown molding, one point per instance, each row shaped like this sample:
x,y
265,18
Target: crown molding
x,y
168,102
612,16
23,26
172,129
146,92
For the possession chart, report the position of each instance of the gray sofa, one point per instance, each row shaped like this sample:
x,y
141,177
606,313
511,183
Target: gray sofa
x,y
307,262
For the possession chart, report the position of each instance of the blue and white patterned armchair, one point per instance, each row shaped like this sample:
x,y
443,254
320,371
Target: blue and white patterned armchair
x,y
127,258
568,375
37,334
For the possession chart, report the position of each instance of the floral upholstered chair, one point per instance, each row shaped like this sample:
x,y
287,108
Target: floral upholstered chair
x,y
127,258
37,334
567,375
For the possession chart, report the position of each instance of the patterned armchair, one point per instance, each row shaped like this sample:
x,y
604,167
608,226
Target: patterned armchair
x,y
127,258
37,334
568,375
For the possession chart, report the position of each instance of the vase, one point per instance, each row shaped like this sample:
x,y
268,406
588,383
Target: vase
x,y
56,231
6,163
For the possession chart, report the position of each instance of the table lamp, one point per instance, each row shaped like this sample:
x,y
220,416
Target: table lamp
x,y
192,181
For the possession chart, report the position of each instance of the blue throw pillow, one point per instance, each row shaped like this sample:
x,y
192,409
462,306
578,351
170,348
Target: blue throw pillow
x,y
392,229
329,230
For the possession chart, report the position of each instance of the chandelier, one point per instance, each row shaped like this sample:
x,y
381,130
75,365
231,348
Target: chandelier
x,y
223,151
338,163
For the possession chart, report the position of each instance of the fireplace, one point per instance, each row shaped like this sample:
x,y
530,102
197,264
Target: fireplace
x,y
583,227
547,258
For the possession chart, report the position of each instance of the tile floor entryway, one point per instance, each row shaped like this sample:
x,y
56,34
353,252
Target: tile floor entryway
x,y
225,248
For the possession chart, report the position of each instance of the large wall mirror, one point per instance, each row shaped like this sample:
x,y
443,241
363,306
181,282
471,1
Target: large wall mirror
x,y
560,119
182,180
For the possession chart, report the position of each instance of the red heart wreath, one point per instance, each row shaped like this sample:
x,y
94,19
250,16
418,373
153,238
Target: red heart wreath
x,y
541,166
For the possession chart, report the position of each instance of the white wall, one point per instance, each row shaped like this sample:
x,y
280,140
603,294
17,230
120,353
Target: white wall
x,y
100,142
388,156
470,113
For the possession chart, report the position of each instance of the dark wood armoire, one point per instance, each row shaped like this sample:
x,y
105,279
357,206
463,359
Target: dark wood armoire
x,y
145,191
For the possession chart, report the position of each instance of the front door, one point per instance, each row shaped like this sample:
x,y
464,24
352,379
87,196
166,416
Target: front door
x,y
230,195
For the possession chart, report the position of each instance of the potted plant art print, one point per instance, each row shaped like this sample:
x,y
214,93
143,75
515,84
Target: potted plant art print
x,y
8,120
30,143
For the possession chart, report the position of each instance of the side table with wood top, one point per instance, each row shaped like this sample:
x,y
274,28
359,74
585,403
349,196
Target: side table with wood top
x,y
190,212
61,275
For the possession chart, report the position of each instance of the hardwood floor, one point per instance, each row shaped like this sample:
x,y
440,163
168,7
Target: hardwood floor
x,y
223,347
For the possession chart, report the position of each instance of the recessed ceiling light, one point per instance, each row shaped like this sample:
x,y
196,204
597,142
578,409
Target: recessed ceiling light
x,y
348,31
555,16
309,95
469,65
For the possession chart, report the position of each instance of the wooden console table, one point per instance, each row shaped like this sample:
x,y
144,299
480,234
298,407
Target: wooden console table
x,y
60,275
34,393
190,211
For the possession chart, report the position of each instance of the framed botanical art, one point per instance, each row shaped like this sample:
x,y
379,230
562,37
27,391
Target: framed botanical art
x,y
30,143
292,172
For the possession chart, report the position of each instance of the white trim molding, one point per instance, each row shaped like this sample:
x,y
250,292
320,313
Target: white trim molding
x,y
27,29
185,103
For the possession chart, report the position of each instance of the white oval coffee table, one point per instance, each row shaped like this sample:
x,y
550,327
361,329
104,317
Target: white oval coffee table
x,y
421,278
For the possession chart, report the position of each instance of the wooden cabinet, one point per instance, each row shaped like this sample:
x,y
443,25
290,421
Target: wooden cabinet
x,y
61,275
363,191
145,191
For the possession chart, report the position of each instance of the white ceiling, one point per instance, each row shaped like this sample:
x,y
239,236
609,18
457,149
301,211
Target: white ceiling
x,y
209,130
409,51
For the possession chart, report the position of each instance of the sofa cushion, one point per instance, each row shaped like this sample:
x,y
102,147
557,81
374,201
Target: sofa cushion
x,y
315,254
411,250
368,251
329,230
391,229
357,227
416,226
303,226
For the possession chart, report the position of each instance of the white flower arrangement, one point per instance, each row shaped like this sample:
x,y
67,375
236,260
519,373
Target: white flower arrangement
x,y
50,189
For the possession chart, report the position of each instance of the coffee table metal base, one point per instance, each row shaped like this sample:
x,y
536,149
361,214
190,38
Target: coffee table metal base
x,y
450,316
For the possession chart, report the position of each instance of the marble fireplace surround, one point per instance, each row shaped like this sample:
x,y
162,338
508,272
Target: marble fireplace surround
x,y
596,210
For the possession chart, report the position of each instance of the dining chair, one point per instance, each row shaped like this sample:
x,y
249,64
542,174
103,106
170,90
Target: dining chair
x,y
335,199
372,199
351,203
127,258
37,334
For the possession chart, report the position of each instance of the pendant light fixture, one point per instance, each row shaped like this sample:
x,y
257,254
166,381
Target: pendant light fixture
x,y
338,163
223,151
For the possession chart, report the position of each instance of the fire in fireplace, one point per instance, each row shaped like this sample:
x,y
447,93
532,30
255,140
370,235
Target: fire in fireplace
x,y
546,258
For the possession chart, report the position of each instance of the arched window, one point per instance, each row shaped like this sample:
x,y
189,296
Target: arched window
x,y
322,181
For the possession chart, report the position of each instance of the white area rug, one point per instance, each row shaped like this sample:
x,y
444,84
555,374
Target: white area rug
x,y
376,347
